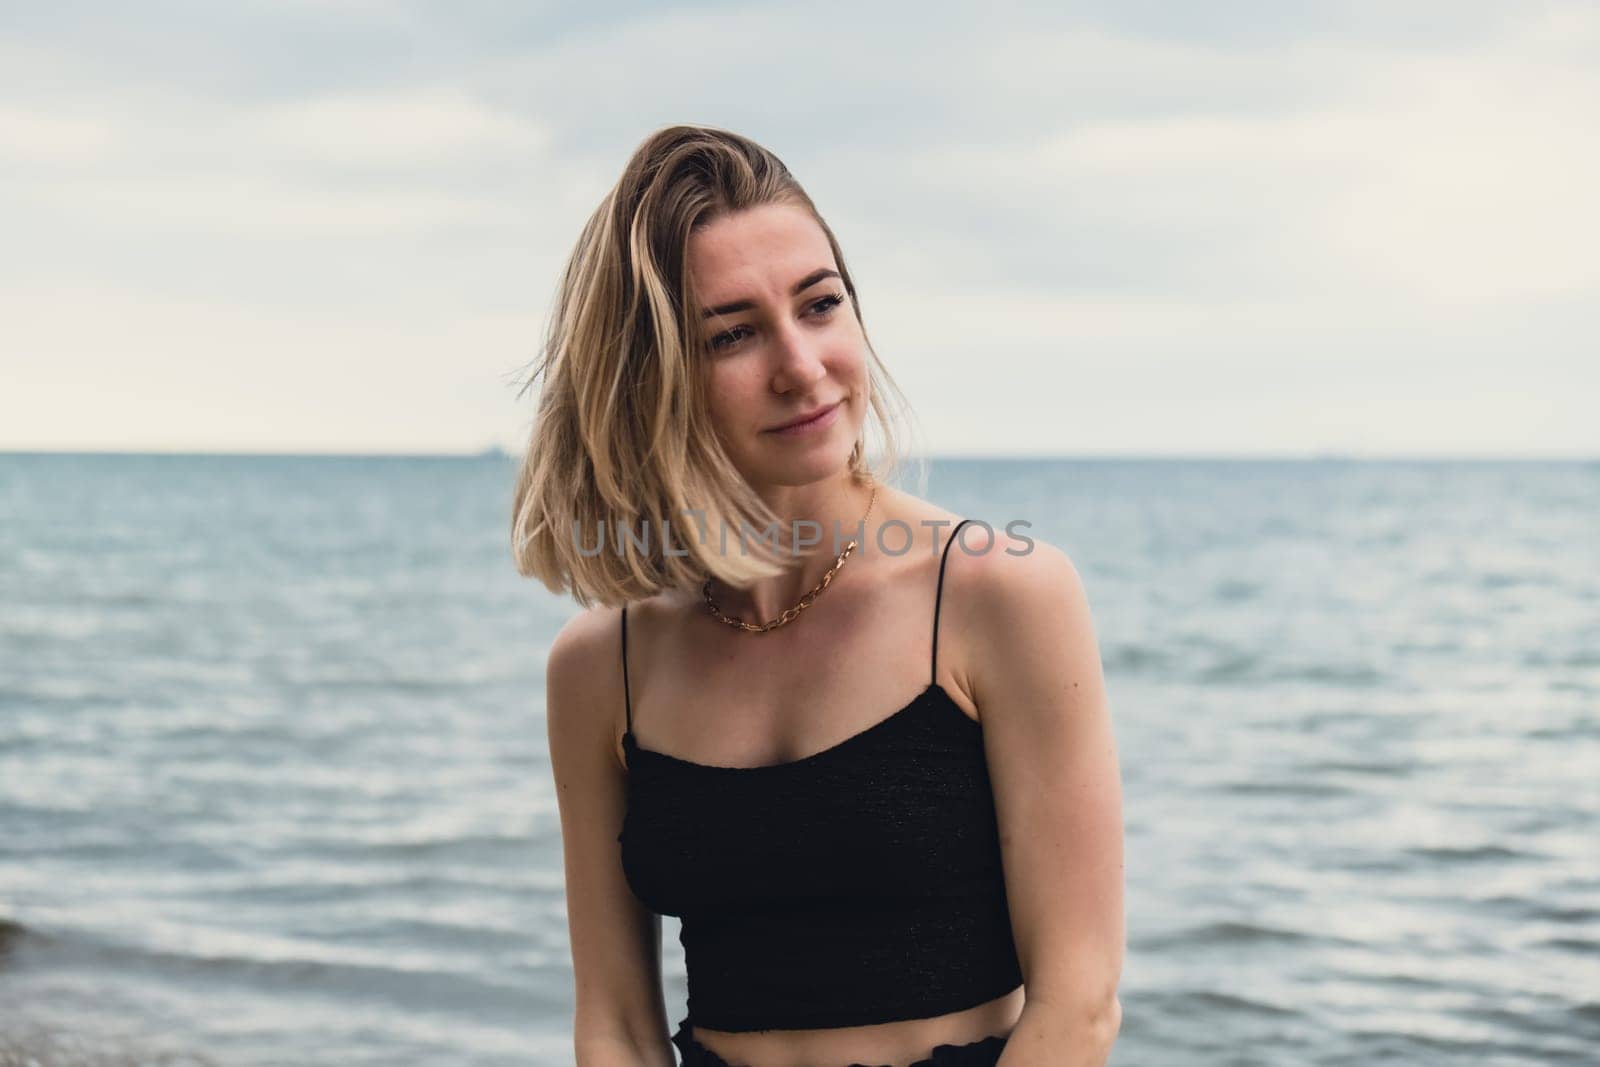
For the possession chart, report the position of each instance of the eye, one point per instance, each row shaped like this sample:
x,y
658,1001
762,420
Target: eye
x,y
726,337
828,303
821,308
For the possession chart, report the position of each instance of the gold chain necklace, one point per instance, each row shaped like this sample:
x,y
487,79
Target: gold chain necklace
x,y
793,613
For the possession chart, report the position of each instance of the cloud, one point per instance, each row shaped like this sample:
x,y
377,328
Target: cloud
x,y
28,136
1451,179
277,207
353,163
410,127
1233,197
98,366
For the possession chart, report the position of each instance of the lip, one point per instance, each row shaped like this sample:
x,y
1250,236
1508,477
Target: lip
x,y
814,420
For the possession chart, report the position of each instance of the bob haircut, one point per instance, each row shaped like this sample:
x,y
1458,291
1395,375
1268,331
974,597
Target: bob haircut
x,y
622,440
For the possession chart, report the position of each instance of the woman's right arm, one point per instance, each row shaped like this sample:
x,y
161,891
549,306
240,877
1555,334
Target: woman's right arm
x,y
619,1018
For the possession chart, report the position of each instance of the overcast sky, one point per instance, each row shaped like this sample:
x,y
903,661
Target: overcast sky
x,y
1077,228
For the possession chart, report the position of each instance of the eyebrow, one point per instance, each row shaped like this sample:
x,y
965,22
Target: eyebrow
x,y
799,287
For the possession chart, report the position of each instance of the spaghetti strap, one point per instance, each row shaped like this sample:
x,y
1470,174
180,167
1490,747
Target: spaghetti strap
x,y
939,595
626,696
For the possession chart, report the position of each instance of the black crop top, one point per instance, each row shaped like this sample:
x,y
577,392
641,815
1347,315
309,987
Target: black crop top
x,y
860,884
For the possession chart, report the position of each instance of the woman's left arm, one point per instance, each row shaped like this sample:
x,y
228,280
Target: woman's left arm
x,y
1036,676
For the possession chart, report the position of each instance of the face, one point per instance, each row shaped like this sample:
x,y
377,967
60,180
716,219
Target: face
x,y
781,341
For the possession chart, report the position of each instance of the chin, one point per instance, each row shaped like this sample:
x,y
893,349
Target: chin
x,y
813,466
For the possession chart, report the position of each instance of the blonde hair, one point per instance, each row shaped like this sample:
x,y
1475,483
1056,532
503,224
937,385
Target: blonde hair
x,y
622,439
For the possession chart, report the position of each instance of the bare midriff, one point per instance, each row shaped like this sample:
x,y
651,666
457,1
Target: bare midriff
x,y
901,1042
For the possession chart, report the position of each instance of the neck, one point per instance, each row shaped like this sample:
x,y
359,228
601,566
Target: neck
x,y
836,507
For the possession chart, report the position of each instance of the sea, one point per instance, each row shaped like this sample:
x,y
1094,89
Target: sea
x,y
274,786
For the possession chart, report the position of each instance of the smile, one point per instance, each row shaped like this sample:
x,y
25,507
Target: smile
x,y
821,421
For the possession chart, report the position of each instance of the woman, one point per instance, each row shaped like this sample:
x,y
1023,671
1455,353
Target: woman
x,y
937,885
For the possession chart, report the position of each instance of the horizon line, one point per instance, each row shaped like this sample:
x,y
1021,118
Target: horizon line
x,y
495,452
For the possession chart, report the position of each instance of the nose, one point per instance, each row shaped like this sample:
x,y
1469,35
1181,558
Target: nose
x,y
799,361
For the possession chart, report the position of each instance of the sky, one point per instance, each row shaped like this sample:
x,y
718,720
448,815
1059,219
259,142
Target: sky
x,y
1109,228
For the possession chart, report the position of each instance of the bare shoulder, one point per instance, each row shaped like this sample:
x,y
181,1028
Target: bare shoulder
x,y
1023,606
582,642
583,681
1008,575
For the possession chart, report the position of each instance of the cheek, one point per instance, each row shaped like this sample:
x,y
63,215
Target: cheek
x,y
731,395
850,364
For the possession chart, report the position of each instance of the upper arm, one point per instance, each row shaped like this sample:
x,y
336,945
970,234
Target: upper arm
x,y
615,940
1037,679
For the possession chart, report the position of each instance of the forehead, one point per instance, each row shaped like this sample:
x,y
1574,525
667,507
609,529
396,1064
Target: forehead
x,y
762,248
